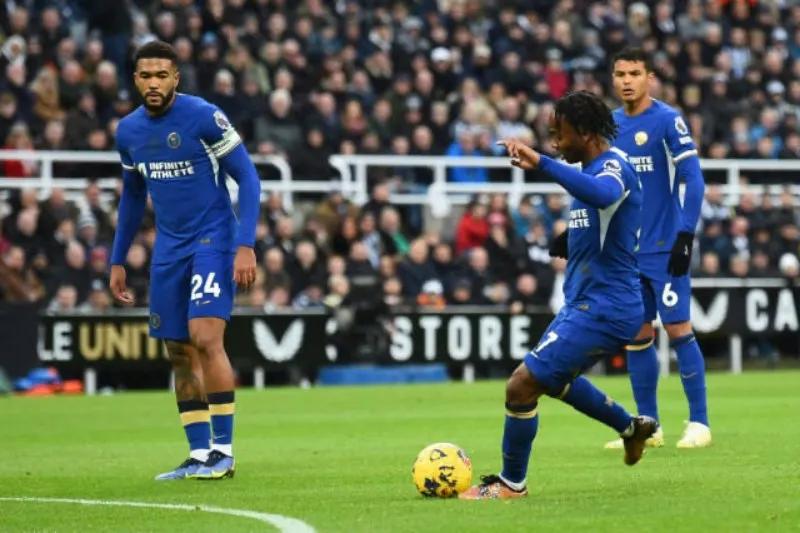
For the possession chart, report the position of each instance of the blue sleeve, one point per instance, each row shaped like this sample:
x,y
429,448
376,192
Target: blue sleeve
x,y
690,173
600,191
684,154
226,145
217,131
132,203
238,166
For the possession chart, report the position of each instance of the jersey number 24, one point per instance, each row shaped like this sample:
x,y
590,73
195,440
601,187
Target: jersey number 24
x,y
199,290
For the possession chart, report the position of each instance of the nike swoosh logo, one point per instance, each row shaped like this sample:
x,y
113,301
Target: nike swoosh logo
x,y
688,376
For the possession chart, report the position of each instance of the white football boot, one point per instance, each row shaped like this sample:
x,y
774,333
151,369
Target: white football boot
x,y
696,435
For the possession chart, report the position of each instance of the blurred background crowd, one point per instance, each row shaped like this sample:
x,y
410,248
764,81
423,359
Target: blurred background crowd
x,y
421,77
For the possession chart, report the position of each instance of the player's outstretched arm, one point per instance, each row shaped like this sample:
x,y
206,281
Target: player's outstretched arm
x,y
237,165
599,191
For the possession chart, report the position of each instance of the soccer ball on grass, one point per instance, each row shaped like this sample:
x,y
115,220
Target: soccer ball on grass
x,y
442,470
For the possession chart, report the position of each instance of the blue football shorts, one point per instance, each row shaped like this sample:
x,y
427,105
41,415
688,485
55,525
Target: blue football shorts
x,y
670,297
574,342
197,286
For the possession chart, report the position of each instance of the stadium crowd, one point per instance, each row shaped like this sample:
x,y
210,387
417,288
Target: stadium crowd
x,y
421,77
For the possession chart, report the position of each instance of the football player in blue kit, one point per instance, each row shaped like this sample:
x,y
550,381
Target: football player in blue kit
x,y
660,147
179,149
603,309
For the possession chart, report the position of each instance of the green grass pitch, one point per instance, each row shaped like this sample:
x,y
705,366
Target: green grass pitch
x,y
340,460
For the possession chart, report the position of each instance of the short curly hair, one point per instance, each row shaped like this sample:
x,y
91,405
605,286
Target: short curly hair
x,y
587,113
156,50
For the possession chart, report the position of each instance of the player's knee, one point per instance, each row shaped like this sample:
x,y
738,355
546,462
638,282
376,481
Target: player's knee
x,y
679,329
206,339
522,388
179,354
646,332
207,334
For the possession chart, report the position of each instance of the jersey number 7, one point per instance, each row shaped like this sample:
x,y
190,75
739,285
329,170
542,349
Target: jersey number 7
x,y
551,337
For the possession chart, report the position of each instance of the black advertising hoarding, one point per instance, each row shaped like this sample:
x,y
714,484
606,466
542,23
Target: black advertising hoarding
x,y
750,308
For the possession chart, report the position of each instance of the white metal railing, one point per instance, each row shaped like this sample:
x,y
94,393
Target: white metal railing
x,y
354,169
46,181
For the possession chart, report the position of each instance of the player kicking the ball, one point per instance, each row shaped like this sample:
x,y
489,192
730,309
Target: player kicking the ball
x,y
178,148
603,310
660,147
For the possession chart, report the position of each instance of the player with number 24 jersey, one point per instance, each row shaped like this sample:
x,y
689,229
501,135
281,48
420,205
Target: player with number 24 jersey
x,y
180,149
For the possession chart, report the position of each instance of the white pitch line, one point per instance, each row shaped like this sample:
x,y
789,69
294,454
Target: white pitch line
x,y
285,524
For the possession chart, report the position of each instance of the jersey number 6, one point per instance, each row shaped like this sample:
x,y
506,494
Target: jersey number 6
x,y
670,297
211,287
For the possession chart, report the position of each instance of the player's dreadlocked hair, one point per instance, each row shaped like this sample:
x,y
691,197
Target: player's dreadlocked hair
x,y
587,113
155,50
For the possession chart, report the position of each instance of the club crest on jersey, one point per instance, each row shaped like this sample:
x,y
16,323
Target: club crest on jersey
x,y
612,165
640,138
222,121
173,140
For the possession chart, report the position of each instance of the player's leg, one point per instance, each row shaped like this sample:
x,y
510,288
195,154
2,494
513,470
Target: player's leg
x,y
542,373
192,407
643,367
521,424
210,309
169,291
691,365
576,345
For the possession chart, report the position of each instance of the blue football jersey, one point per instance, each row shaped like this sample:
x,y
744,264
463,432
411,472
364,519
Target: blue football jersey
x,y
177,155
602,276
655,141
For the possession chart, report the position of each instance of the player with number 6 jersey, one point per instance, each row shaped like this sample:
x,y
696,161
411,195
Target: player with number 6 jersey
x,y
660,146
179,149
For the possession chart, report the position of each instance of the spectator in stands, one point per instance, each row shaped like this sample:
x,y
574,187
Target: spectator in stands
x,y
99,299
390,226
377,242
18,283
98,266
526,294
19,138
504,249
416,269
478,271
465,146
344,238
274,271
473,228
304,270
463,293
